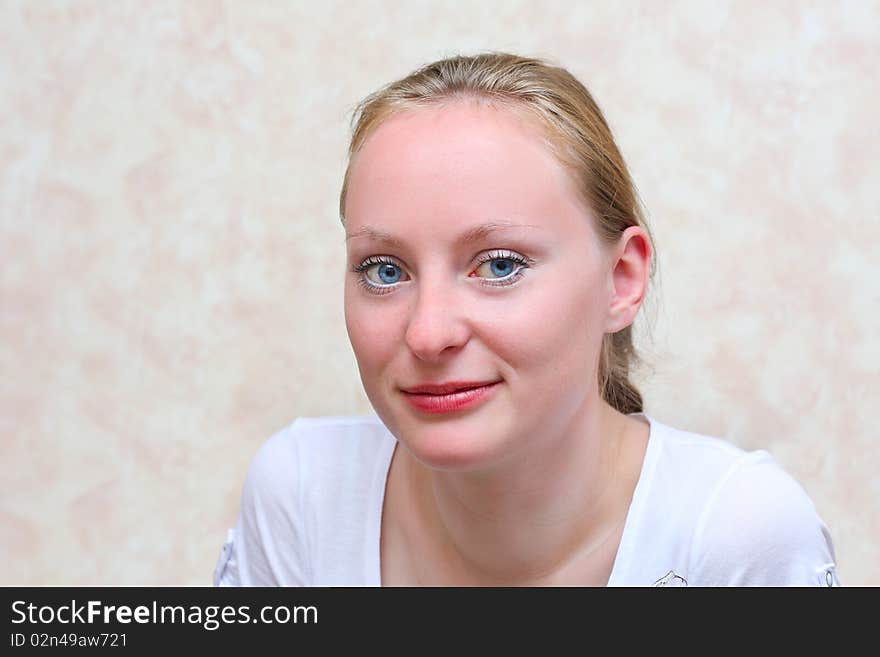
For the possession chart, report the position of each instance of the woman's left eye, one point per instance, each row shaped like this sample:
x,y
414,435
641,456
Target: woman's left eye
x,y
498,268
502,267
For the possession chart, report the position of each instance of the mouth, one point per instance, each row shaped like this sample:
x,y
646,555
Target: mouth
x,y
439,389
436,399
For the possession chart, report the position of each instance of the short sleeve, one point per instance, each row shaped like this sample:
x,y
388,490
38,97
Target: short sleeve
x,y
759,528
267,545
226,572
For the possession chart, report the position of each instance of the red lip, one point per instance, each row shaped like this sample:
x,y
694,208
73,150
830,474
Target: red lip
x,y
445,388
450,402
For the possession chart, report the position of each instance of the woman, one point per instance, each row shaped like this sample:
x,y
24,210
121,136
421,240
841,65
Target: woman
x,y
497,259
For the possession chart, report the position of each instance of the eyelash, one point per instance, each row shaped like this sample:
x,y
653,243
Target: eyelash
x,y
524,262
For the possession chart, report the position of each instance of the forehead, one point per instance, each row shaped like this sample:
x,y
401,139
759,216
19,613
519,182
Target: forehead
x,y
445,169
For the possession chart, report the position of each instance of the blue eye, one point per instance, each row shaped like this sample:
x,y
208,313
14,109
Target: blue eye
x,y
389,273
506,268
501,267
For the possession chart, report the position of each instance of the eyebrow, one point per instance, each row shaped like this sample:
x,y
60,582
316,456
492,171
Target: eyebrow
x,y
469,236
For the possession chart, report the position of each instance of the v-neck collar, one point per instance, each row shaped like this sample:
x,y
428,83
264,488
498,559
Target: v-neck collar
x,y
628,538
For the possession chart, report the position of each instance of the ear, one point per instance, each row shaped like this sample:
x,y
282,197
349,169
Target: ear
x,y
630,269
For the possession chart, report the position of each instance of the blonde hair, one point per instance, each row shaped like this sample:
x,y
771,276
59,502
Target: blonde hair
x,y
574,130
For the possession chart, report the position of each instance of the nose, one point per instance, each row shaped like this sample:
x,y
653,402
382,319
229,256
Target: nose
x,y
435,324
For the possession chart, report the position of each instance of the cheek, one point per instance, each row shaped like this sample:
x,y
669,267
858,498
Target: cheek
x,y
372,331
558,331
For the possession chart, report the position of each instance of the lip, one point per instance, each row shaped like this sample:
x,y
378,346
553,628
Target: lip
x,y
452,401
445,388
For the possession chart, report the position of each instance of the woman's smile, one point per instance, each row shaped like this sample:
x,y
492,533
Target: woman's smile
x,y
450,402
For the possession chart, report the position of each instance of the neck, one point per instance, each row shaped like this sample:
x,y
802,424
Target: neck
x,y
527,519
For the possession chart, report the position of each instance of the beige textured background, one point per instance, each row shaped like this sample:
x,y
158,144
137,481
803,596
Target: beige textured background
x,y
172,260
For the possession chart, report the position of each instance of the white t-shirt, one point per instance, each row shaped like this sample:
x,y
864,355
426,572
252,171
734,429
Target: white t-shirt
x,y
704,513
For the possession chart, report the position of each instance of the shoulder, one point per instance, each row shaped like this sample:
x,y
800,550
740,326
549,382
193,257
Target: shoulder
x,y
684,468
704,457
317,441
759,527
312,468
315,448
727,516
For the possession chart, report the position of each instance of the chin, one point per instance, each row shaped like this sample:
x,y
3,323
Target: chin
x,y
467,441
460,444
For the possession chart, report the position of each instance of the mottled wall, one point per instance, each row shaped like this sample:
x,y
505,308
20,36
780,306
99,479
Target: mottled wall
x,y
171,275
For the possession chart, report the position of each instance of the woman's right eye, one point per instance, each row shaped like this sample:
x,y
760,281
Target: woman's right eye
x,y
378,274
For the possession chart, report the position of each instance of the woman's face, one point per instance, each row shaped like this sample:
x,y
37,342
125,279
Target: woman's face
x,y
524,304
